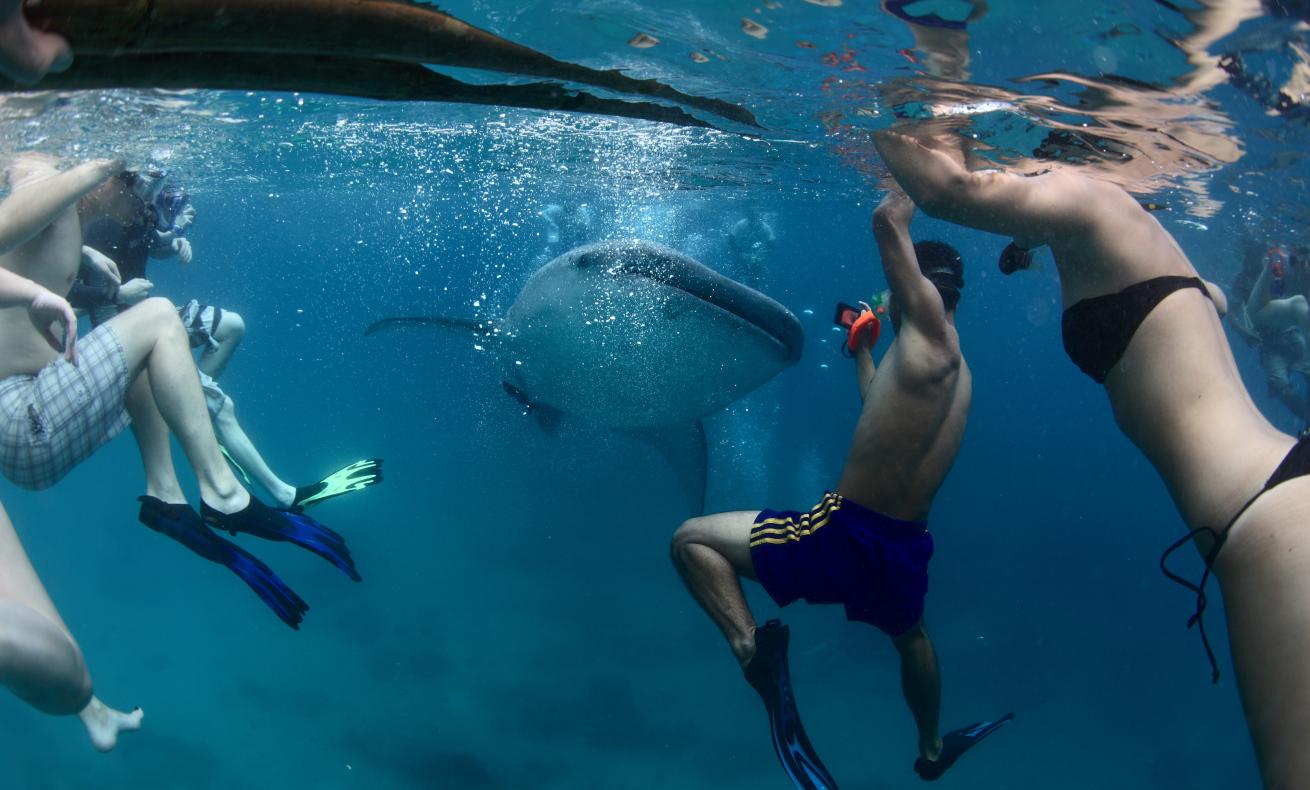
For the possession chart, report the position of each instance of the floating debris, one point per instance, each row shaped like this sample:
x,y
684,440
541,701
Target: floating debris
x,y
753,29
643,41
699,58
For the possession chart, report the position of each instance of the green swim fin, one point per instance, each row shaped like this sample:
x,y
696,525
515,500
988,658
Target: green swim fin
x,y
354,477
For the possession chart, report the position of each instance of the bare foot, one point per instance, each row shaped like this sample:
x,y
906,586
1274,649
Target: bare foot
x,y
104,724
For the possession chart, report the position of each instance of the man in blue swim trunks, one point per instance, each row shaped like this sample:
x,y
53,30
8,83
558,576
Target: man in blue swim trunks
x,y
866,545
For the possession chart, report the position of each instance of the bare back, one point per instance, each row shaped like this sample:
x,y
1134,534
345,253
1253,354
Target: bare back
x,y
911,425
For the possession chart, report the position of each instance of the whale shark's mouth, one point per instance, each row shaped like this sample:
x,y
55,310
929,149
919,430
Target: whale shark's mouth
x,y
671,269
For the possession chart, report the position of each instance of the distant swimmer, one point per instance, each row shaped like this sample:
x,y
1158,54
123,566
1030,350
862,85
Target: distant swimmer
x,y
1270,311
751,240
865,545
1139,321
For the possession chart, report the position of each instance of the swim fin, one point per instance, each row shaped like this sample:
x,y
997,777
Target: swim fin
x,y
955,744
354,477
185,526
269,523
768,673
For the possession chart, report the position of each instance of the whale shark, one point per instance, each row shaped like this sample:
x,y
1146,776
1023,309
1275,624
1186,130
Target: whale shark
x,y
635,336
375,48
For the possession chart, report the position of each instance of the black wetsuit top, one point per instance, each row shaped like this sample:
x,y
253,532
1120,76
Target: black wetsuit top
x,y
127,245
1097,330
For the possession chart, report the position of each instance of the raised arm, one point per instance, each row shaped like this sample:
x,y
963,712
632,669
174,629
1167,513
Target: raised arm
x,y
916,297
39,193
1032,210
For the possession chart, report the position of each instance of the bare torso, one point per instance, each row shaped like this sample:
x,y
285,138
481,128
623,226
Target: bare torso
x,y
1176,391
911,426
51,259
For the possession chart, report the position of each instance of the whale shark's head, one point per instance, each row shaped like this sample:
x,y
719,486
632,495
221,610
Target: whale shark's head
x,y
635,334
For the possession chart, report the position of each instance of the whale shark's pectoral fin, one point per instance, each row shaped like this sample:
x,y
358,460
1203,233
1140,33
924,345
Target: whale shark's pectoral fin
x,y
685,448
548,417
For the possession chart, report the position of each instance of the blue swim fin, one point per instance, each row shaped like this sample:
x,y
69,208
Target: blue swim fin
x,y
955,744
184,525
769,674
269,523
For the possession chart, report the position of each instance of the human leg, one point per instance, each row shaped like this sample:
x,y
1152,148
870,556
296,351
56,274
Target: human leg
x,y
711,553
151,434
154,340
227,330
243,451
922,686
39,660
1264,572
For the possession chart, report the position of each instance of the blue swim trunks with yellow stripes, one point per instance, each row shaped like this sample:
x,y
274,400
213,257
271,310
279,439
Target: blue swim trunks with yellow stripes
x,y
843,552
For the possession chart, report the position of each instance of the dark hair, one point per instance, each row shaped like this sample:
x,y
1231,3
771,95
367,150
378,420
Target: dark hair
x,y
942,265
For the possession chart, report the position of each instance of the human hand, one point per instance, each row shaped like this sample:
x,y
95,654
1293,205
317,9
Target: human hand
x,y
100,262
26,55
184,218
183,249
48,309
133,291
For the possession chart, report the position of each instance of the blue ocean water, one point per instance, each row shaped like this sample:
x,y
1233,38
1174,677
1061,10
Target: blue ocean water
x,y
519,623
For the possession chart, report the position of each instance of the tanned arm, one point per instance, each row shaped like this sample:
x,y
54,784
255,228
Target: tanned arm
x,y
915,296
40,193
1031,210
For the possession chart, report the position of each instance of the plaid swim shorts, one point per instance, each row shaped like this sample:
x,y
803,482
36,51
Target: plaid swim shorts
x,y
53,421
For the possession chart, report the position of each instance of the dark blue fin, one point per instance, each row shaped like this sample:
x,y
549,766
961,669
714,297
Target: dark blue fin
x,y
768,673
955,744
269,523
185,526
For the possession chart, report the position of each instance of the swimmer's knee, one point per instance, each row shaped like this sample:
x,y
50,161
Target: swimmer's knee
x,y
684,538
227,411
231,327
911,639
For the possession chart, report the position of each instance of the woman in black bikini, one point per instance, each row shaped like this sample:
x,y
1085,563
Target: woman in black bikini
x,y
1138,320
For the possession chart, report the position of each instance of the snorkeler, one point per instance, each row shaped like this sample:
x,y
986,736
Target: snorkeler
x,y
56,409
1268,310
751,240
867,544
135,217
1141,322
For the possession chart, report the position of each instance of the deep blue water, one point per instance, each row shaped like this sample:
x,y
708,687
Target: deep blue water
x,y
519,623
